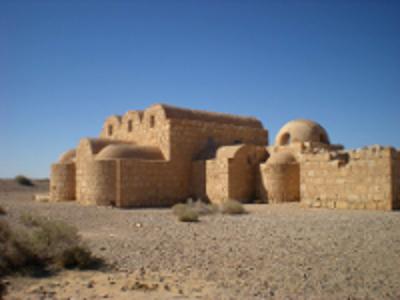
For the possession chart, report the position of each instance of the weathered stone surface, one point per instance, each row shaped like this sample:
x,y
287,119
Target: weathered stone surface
x,y
166,154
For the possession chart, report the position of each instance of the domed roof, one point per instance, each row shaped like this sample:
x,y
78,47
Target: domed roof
x,y
281,158
67,157
301,130
124,151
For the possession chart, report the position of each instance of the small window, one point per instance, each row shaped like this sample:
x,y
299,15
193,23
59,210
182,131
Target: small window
x,y
249,160
110,130
323,138
285,140
238,142
152,121
130,126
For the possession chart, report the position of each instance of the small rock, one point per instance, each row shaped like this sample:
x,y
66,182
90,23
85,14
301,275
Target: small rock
x,y
91,284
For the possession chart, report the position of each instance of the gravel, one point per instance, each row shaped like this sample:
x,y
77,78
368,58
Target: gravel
x,y
273,251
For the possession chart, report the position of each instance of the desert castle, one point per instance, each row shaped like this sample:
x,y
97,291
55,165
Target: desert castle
x,y
165,154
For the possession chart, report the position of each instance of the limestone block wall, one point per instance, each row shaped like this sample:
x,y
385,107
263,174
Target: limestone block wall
x,y
148,128
98,182
279,182
231,175
198,180
189,137
142,183
62,182
217,183
352,179
242,173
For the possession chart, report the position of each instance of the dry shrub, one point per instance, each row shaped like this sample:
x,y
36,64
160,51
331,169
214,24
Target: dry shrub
x,y
23,180
203,208
177,209
31,220
42,245
232,207
188,215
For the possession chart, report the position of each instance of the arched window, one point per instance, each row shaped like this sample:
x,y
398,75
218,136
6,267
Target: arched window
x,y
285,139
323,138
152,121
110,130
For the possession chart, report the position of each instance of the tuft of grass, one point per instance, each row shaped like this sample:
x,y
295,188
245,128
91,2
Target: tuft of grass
x,y
178,208
203,208
188,215
44,200
232,207
23,180
2,211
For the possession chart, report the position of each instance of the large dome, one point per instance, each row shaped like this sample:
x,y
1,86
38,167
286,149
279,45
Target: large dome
x,y
301,130
123,151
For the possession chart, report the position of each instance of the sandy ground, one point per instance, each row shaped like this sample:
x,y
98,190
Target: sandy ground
x,y
272,252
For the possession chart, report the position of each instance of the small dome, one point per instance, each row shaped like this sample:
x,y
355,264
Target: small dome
x,y
124,151
67,157
301,130
281,158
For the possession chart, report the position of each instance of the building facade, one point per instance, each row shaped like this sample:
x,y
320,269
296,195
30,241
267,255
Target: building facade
x,y
165,155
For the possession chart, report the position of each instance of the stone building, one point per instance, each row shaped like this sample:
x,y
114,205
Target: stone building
x,y
166,154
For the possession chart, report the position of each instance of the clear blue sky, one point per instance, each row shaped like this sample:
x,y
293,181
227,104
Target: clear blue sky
x,y
67,65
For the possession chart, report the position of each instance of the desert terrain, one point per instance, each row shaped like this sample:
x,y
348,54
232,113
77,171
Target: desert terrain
x,y
279,251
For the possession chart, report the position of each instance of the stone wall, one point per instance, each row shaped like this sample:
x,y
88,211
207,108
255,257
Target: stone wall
x,y
231,175
188,138
279,183
217,184
148,128
143,183
62,182
355,179
198,181
97,182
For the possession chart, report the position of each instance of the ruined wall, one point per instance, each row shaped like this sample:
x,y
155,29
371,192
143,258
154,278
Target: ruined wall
x,y
142,183
62,182
352,179
396,179
98,182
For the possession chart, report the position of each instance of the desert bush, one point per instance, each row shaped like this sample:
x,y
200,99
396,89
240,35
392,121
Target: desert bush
x,y
178,208
203,208
79,256
188,215
31,220
2,210
23,180
232,207
48,243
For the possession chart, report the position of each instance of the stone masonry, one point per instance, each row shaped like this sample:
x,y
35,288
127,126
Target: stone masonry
x,y
165,155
